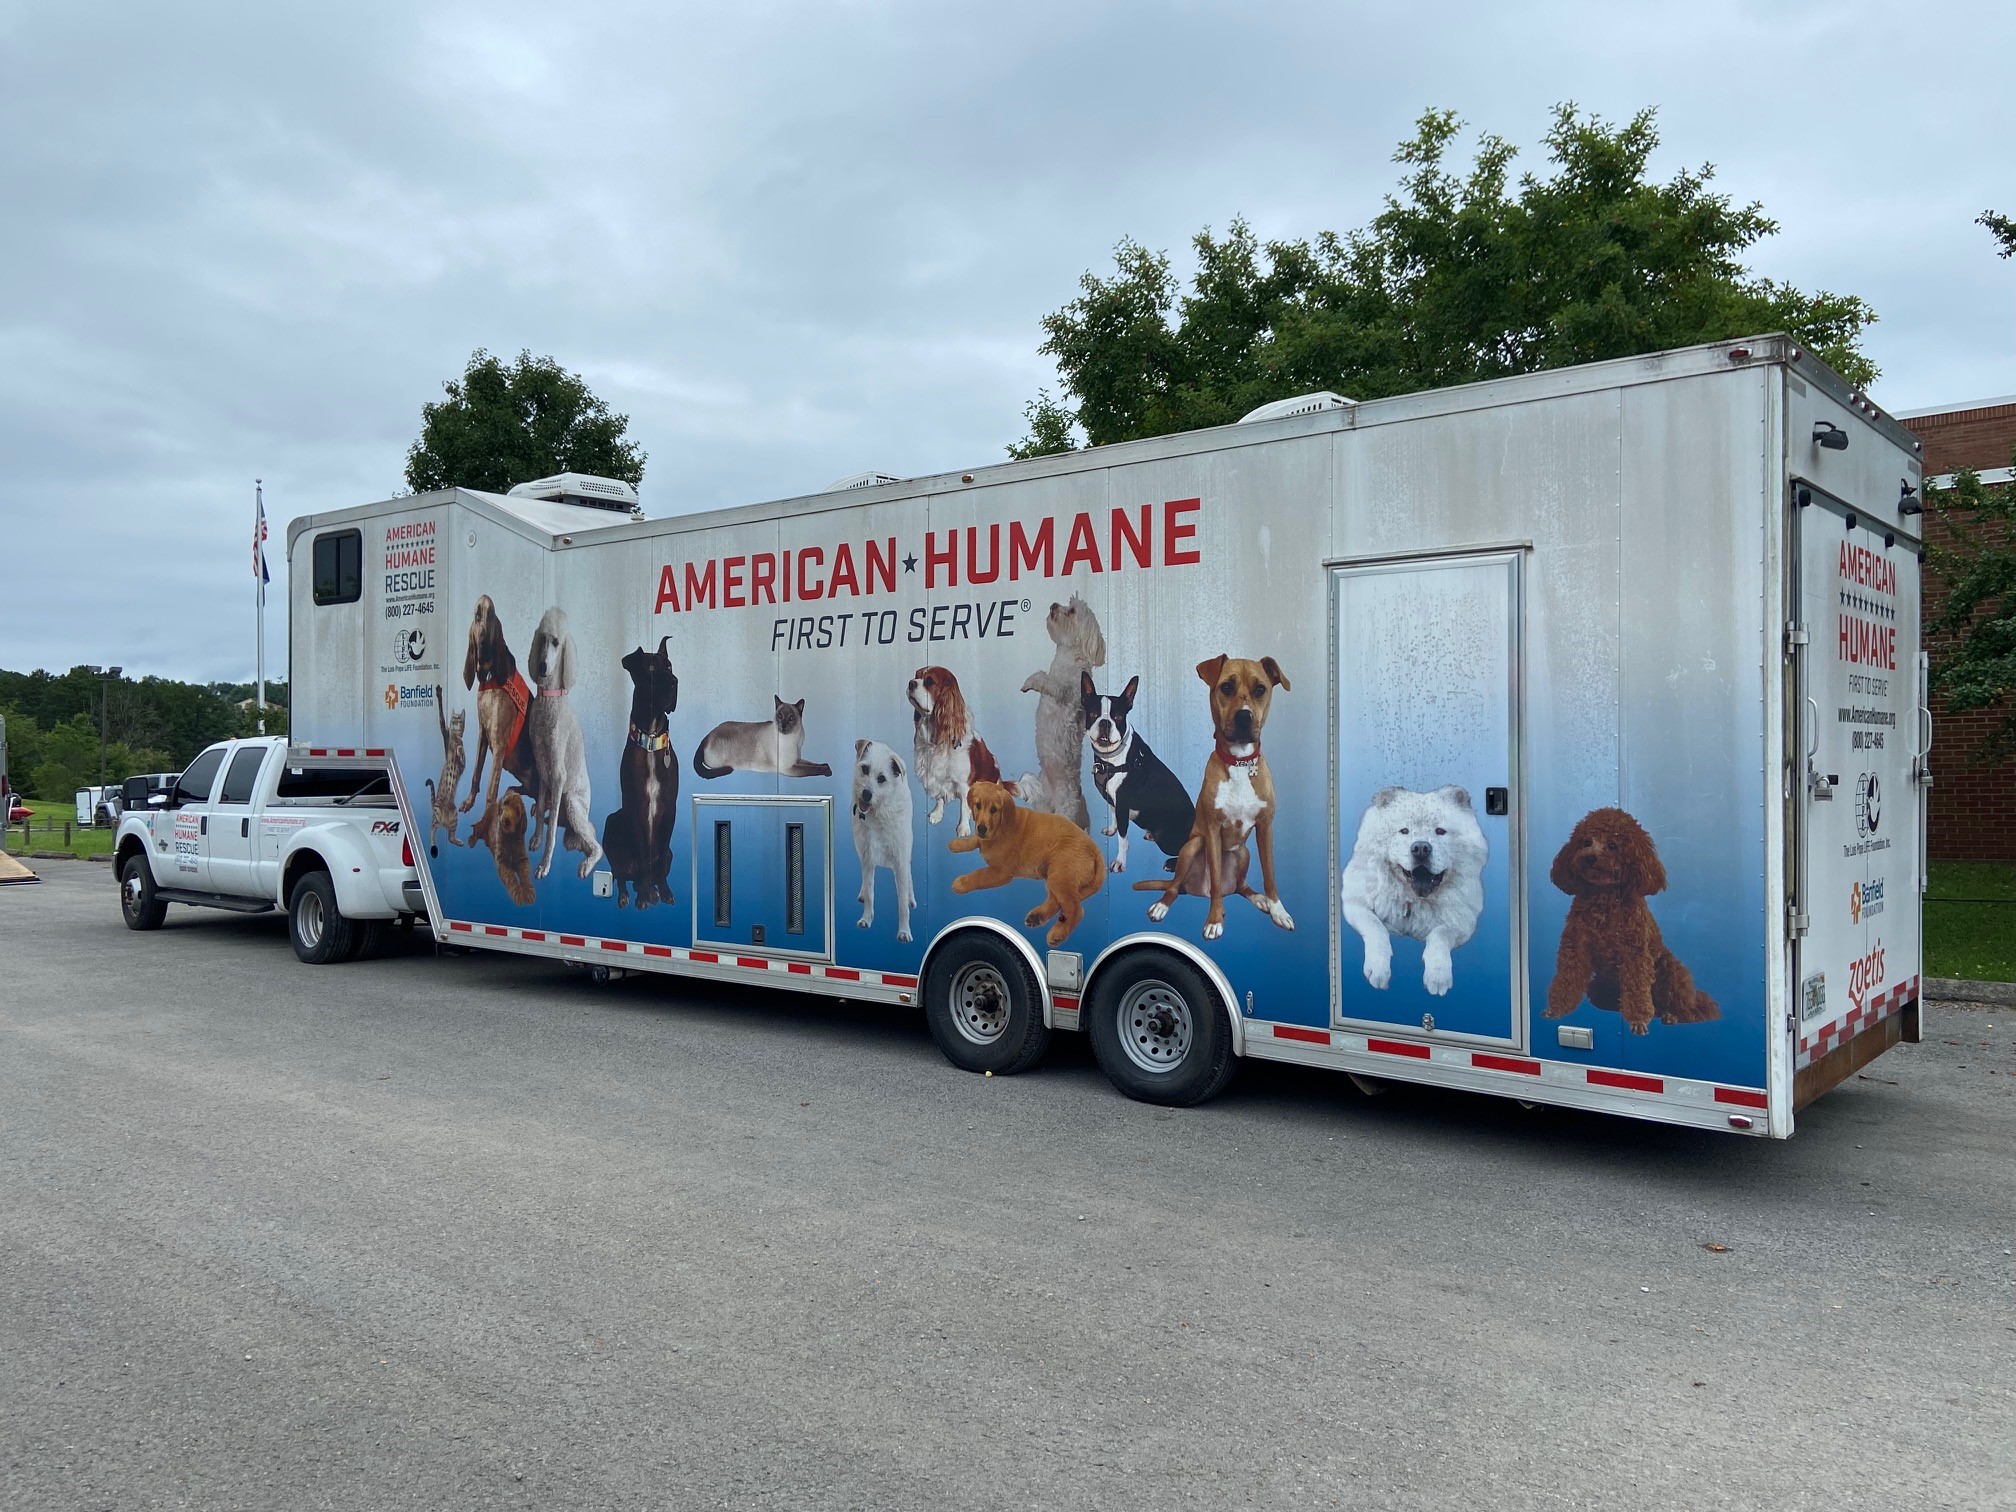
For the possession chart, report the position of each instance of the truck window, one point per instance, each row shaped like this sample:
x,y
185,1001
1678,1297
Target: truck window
x,y
194,785
364,785
339,567
243,775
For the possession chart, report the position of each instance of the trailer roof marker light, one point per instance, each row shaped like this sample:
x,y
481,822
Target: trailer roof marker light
x,y
1739,354
1830,436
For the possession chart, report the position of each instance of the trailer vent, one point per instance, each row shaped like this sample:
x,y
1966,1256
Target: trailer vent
x,y
1302,404
583,489
862,480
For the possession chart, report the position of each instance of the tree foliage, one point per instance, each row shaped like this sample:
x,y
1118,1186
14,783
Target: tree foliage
x,y
1462,277
2002,228
1973,636
502,425
153,724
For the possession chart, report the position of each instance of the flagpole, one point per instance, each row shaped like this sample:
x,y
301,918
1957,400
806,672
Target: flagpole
x,y
259,580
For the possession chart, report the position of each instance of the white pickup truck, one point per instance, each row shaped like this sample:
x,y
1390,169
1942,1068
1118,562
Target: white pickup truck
x,y
255,825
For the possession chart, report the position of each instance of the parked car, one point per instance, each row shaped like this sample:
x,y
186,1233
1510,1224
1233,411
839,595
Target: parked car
x,y
16,809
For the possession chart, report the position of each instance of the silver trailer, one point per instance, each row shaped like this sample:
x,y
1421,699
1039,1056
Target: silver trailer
x,y
1565,734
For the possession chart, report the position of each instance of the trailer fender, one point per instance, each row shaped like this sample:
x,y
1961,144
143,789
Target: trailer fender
x,y
1190,953
992,926
336,849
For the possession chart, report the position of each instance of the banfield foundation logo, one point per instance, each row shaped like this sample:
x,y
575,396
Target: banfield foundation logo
x,y
1865,900
399,696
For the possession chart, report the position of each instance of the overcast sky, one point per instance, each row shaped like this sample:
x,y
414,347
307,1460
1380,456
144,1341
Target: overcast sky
x,y
797,242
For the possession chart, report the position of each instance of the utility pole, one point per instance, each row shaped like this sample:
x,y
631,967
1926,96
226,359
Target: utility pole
x,y
105,676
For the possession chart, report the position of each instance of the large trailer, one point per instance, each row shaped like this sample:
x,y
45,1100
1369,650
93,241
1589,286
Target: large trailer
x,y
1565,733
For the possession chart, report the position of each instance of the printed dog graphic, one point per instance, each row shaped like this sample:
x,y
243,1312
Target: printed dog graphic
x,y
1060,719
1611,950
1018,842
758,746
558,751
441,800
1137,787
502,827
1417,869
638,835
1235,801
502,700
950,753
881,816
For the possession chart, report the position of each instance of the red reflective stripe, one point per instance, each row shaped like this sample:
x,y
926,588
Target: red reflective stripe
x,y
617,945
898,981
465,928
658,950
843,973
495,929
532,934
754,963
318,750
369,751
1398,1047
572,940
1741,1097
346,750
1627,1081
1505,1063
1068,1004
707,956
1312,1036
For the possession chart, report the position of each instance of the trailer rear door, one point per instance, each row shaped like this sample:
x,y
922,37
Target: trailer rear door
x,y
1863,727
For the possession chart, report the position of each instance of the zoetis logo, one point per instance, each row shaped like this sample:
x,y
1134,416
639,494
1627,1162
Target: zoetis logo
x,y
1865,974
1865,900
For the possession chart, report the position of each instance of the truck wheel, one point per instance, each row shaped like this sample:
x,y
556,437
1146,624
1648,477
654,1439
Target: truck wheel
x,y
143,910
321,935
1159,1032
983,1005
372,937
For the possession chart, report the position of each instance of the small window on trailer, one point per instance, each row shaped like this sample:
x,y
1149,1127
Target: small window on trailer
x,y
339,567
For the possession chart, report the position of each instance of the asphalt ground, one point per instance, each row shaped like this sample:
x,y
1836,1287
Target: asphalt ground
x,y
473,1232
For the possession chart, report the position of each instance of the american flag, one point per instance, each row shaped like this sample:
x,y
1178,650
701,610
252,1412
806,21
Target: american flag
x,y
259,539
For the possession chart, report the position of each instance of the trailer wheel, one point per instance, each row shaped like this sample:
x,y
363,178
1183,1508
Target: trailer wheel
x,y
983,1005
1159,1032
321,935
142,909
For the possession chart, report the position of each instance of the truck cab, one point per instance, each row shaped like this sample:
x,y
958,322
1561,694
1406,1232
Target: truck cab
x,y
256,825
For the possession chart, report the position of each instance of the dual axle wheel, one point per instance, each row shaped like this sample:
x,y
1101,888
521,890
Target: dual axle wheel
x,y
1158,1027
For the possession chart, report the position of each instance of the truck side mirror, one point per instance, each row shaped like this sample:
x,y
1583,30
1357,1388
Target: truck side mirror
x,y
157,800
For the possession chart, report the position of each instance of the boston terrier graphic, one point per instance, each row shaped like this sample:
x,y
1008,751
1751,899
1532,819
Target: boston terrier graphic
x,y
1137,787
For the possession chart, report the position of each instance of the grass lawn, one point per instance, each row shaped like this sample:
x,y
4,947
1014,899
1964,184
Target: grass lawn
x,y
1968,938
46,832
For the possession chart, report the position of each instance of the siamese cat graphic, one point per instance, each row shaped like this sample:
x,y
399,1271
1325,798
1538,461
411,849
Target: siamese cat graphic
x,y
776,745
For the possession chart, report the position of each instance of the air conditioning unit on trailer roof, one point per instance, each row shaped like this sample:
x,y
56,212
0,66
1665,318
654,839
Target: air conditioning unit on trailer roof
x,y
1301,404
583,489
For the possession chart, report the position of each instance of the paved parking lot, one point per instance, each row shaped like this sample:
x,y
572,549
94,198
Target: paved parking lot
x,y
471,1232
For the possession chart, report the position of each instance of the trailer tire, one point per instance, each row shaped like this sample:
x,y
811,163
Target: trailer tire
x,y
320,934
372,937
1159,1032
984,1006
137,900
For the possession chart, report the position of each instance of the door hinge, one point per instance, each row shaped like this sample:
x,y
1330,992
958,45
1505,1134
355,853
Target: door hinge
x,y
1795,921
1795,637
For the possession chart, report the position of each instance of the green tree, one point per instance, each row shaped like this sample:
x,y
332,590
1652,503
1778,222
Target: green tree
x,y
2002,228
502,425
1973,636
1458,279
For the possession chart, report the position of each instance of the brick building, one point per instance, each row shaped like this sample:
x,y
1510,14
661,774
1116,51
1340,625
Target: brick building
x,y
1973,805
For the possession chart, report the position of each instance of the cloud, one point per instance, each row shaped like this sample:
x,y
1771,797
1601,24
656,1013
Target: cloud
x,y
794,242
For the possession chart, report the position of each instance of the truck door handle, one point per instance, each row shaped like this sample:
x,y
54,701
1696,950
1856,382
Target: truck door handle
x,y
244,829
203,825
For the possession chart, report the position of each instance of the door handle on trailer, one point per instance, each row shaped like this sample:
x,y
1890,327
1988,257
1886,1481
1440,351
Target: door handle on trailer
x,y
1812,728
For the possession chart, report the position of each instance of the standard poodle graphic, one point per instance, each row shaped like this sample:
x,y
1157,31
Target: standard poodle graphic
x,y
1611,951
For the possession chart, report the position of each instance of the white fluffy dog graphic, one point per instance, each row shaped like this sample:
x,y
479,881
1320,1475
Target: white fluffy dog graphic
x,y
1417,869
879,803
1055,788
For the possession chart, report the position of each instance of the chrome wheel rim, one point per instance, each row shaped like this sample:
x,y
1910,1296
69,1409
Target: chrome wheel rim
x,y
980,1003
308,919
132,890
1155,1026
